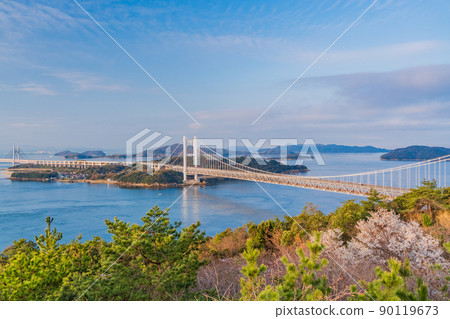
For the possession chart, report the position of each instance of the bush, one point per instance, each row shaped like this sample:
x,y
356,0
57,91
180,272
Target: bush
x,y
347,216
228,243
311,219
261,236
299,283
426,220
391,285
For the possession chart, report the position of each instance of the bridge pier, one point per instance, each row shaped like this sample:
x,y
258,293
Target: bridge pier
x,y
14,156
195,159
184,159
195,155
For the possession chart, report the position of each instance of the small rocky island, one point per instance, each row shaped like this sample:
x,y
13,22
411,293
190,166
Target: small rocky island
x,y
415,153
272,166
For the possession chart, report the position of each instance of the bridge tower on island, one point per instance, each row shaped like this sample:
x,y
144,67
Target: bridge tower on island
x,y
195,157
15,152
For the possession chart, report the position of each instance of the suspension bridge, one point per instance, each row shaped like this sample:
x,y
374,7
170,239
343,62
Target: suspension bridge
x,y
203,160
390,182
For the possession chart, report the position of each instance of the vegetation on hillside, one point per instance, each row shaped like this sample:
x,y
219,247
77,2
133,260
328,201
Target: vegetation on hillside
x,y
120,173
272,166
42,175
367,250
159,177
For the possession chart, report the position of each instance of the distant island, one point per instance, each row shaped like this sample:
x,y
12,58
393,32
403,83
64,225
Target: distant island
x,y
415,153
334,148
83,155
325,148
273,166
177,150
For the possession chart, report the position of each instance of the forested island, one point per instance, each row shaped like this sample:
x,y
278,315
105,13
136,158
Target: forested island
x,y
41,176
272,166
118,174
396,250
415,153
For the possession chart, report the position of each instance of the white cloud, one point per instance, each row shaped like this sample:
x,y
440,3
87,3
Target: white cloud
x,y
18,18
82,81
391,89
21,125
394,51
28,87
37,89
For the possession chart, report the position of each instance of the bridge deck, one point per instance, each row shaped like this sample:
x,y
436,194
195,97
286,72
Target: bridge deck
x,y
297,181
63,163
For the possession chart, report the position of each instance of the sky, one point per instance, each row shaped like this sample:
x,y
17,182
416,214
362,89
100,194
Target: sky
x,y
65,84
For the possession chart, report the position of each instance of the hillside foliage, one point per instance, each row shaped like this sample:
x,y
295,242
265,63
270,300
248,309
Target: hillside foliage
x,y
367,250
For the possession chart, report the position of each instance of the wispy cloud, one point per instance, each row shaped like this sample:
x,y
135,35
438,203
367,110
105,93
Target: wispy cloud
x,y
37,89
22,125
396,88
82,81
26,17
34,88
393,51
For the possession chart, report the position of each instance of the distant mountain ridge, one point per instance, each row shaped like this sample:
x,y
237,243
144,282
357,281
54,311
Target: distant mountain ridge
x,y
176,150
75,155
415,153
326,148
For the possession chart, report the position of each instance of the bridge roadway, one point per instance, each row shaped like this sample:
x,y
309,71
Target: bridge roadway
x,y
66,163
298,181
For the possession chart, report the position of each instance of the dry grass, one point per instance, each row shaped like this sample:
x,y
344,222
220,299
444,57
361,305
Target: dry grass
x,y
221,278
227,244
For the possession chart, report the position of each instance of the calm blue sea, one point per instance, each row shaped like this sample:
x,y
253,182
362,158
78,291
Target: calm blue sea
x,y
83,208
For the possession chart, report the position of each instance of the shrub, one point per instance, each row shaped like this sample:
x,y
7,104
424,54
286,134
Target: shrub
x,y
228,243
310,220
252,281
299,283
347,216
426,220
261,236
390,285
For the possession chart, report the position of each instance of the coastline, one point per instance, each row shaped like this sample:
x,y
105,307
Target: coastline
x,y
107,182
404,160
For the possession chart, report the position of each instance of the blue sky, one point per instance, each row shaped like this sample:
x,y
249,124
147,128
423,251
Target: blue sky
x,y
65,84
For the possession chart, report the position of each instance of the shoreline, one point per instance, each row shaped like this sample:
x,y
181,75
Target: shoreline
x,y
405,160
109,182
